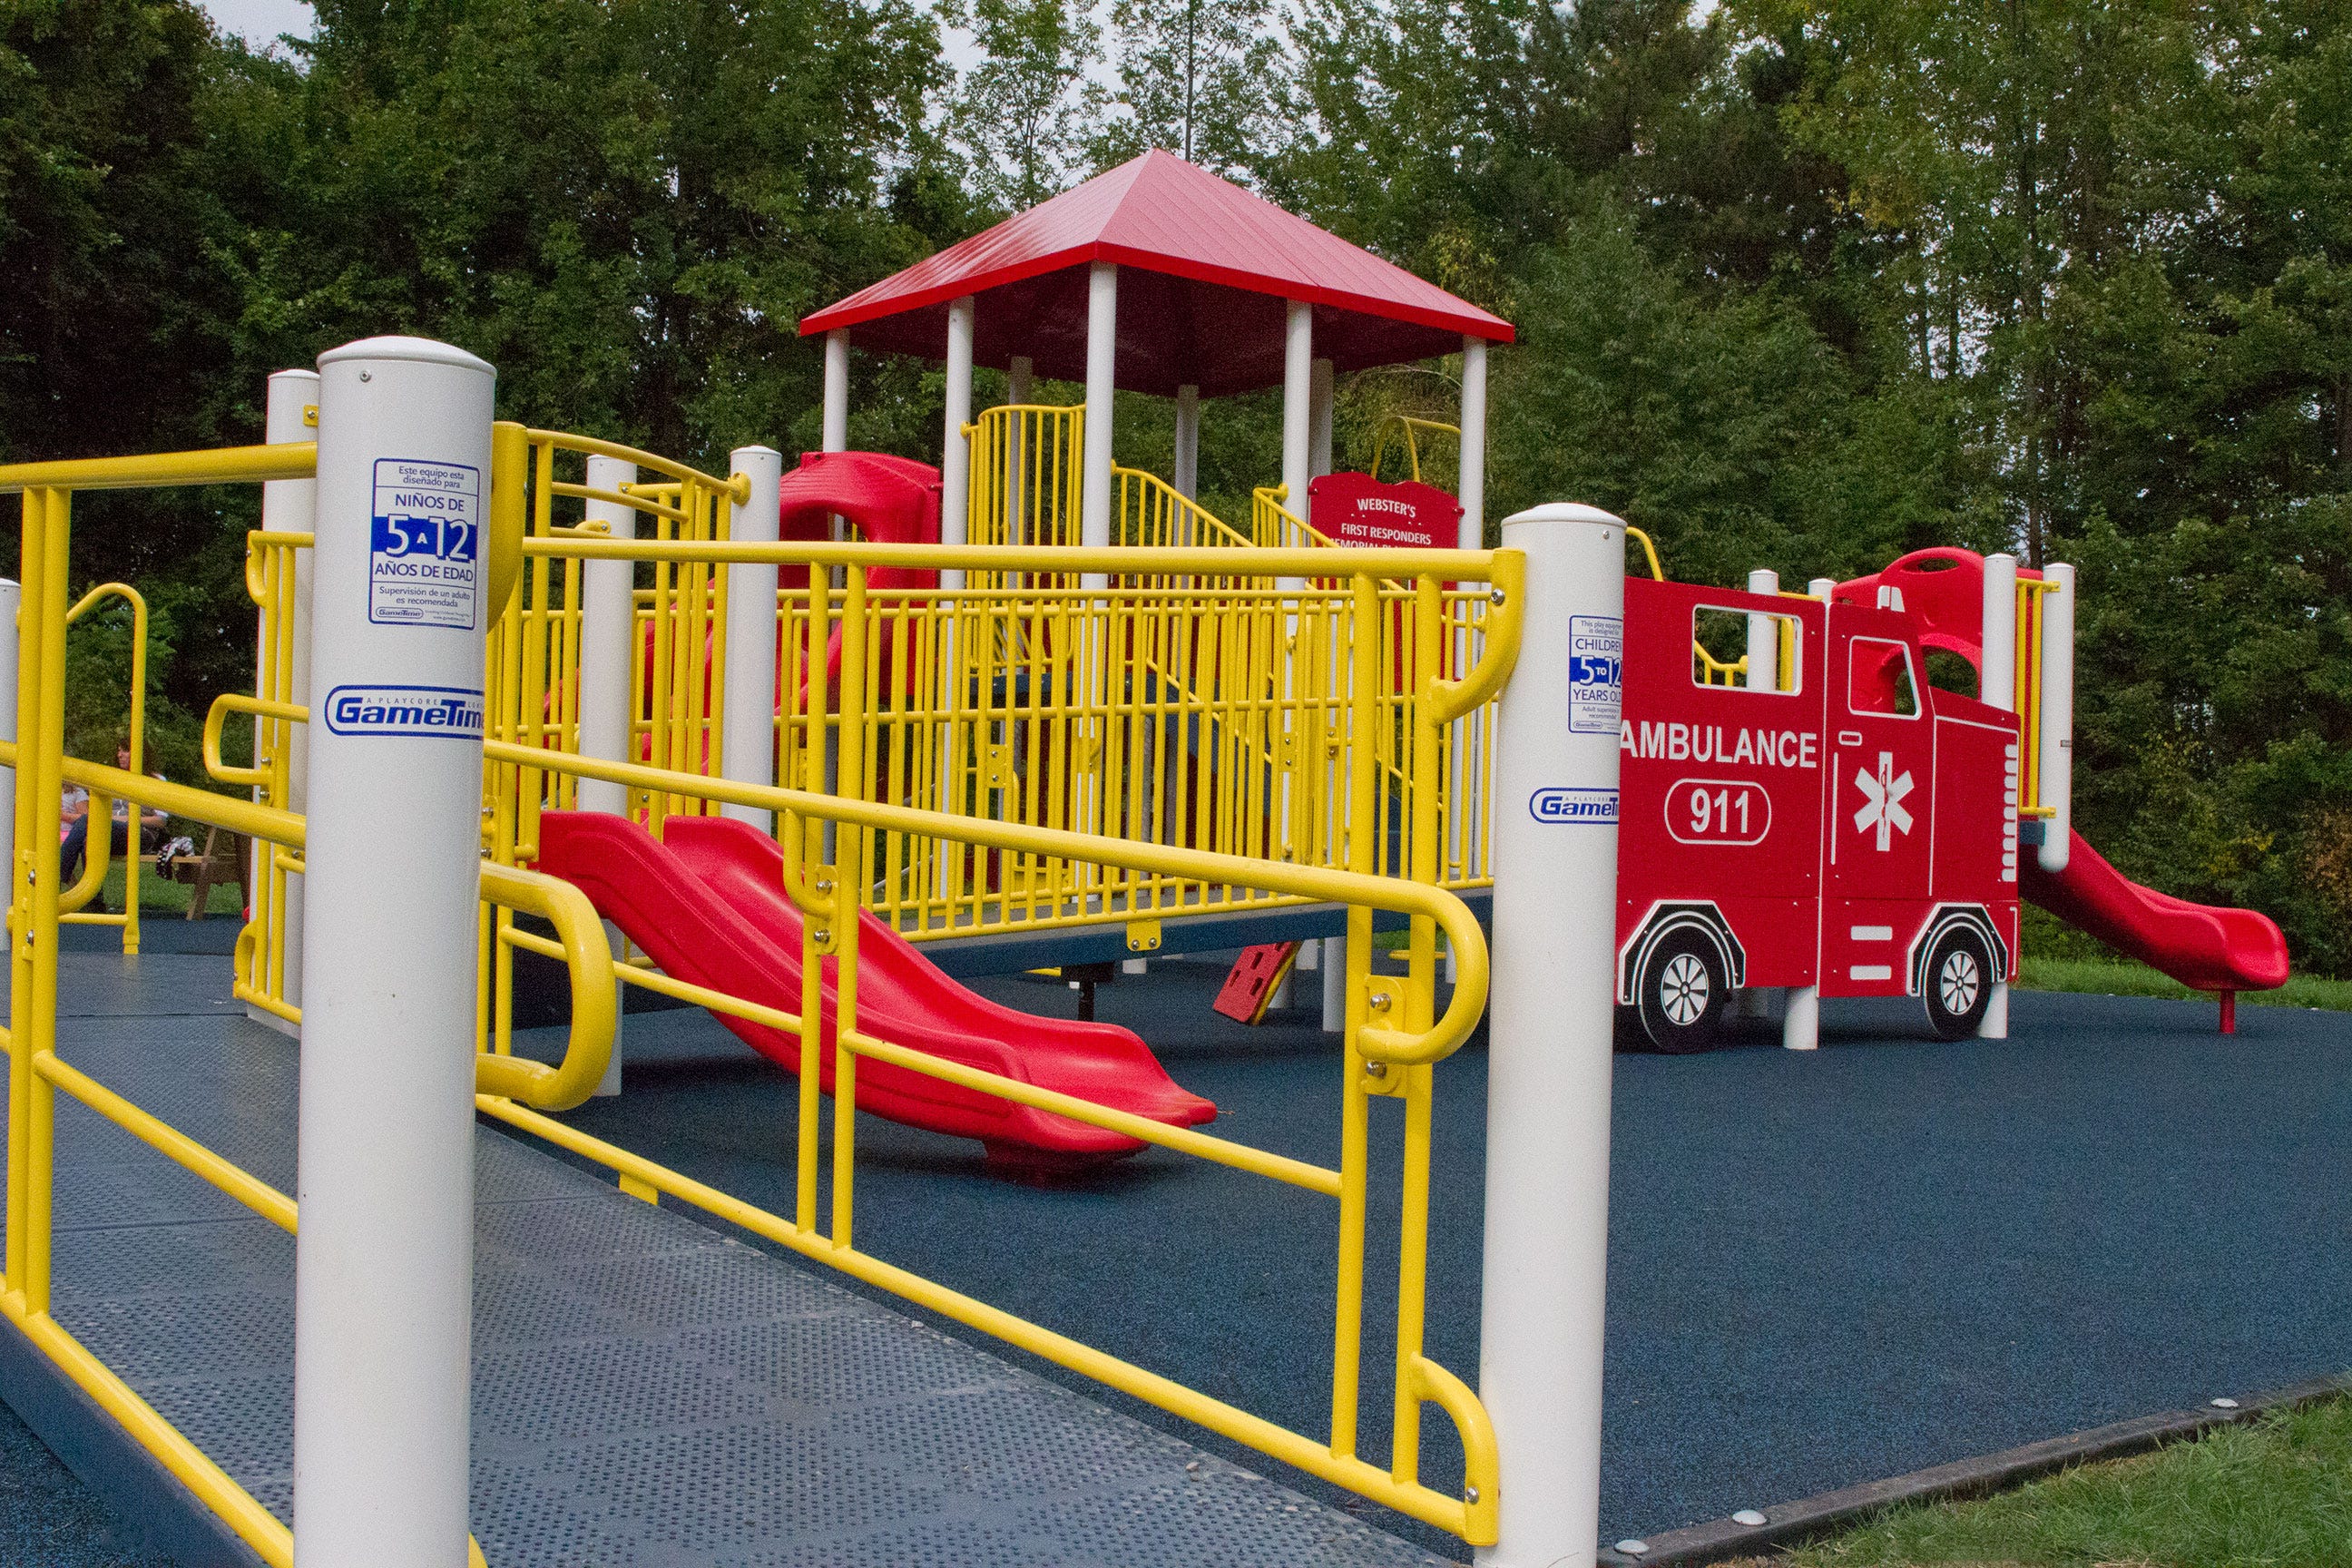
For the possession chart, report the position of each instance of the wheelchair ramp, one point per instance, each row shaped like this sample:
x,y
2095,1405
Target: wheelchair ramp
x,y
647,1391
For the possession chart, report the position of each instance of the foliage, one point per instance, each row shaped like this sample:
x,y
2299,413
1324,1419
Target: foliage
x,y
1199,78
1800,283
1025,113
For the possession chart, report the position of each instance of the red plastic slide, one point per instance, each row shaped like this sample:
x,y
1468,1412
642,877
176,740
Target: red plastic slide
x,y
707,905
2204,948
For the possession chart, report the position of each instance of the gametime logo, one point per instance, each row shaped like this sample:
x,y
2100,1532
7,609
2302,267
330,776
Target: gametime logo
x,y
428,710
1560,803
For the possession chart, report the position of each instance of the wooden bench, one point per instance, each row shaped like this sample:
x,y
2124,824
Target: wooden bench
x,y
223,861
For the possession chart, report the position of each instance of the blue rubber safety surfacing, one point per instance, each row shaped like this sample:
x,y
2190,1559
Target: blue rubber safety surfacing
x,y
646,1390
1825,1268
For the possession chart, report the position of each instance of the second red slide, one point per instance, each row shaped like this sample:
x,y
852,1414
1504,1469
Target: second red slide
x,y
2202,947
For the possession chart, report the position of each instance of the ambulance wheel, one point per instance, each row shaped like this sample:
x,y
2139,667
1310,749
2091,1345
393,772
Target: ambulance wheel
x,y
1683,994
1959,983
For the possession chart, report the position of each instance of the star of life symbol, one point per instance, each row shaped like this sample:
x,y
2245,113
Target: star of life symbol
x,y
1882,800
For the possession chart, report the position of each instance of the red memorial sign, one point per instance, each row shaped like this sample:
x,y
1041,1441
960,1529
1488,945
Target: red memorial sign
x,y
1369,514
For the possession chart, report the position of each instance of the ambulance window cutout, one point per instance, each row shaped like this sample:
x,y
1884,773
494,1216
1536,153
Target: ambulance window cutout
x,y
1878,678
1745,650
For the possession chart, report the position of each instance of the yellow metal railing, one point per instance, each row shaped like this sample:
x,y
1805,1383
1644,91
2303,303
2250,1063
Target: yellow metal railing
x,y
2028,699
1404,429
1394,1038
1026,466
1192,703
1273,526
37,1072
1020,753
97,819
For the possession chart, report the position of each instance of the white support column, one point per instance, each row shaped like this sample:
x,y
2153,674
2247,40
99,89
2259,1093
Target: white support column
x,y
1187,477
1547,1238
1763,636
1474,442
1102,371
1319,394
1997,665
1800,1026
1997,684
747,750
608,639
291,506
383,1261
1297,411
1021,380
955,446
2057,747
835,434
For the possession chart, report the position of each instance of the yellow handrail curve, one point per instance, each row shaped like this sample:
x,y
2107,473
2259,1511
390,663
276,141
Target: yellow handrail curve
x,y
98,810
582,945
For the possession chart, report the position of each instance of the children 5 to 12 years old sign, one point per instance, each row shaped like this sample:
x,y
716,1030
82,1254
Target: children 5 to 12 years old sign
x,y
424,545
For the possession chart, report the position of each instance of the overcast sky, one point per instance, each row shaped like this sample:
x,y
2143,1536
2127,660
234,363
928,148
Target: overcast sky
x,y
261,20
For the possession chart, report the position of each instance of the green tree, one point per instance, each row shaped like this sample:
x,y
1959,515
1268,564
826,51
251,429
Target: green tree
x,y
1198,78
1025,114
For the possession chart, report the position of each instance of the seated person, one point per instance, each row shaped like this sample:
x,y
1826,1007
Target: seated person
x,y
77,843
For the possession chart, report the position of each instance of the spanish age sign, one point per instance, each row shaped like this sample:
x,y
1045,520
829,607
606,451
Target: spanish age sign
x,y
424,545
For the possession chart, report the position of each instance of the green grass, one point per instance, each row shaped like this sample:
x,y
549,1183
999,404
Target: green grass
x,y
2275,1491
2120,977
157,895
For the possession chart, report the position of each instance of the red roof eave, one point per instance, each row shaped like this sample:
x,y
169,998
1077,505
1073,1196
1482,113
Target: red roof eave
x,y
855,311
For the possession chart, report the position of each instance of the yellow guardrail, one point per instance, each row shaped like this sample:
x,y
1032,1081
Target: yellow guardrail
x,y
1394,1035
37,1073
1345,750
1404,427
97,819
2028,703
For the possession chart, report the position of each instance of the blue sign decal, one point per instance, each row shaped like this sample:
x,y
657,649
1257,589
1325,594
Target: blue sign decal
x,y
1596,674
424,545
451,711
1558,803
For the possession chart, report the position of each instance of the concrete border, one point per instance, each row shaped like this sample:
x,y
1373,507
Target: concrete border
x,y
152,1508
1722,1539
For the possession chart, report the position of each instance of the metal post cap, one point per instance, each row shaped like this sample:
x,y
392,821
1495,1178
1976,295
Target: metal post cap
x,y
1564,511
423,350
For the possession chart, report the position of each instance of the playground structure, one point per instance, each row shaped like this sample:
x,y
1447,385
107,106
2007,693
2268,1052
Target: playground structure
x,y
1027,703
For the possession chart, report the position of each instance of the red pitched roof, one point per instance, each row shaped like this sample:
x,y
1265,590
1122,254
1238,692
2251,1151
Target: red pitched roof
x,y
1204,269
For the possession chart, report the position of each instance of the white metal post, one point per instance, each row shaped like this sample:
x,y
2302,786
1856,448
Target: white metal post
x,y
383,1261
1997,684
608,638
747,751
1102,371
1320,391
608,650
1187,475
1020,379
1474,442
955,446
1547,1240
1297,422
1801,1024
291,506
835,435
1763,636
1997,665
2057,748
